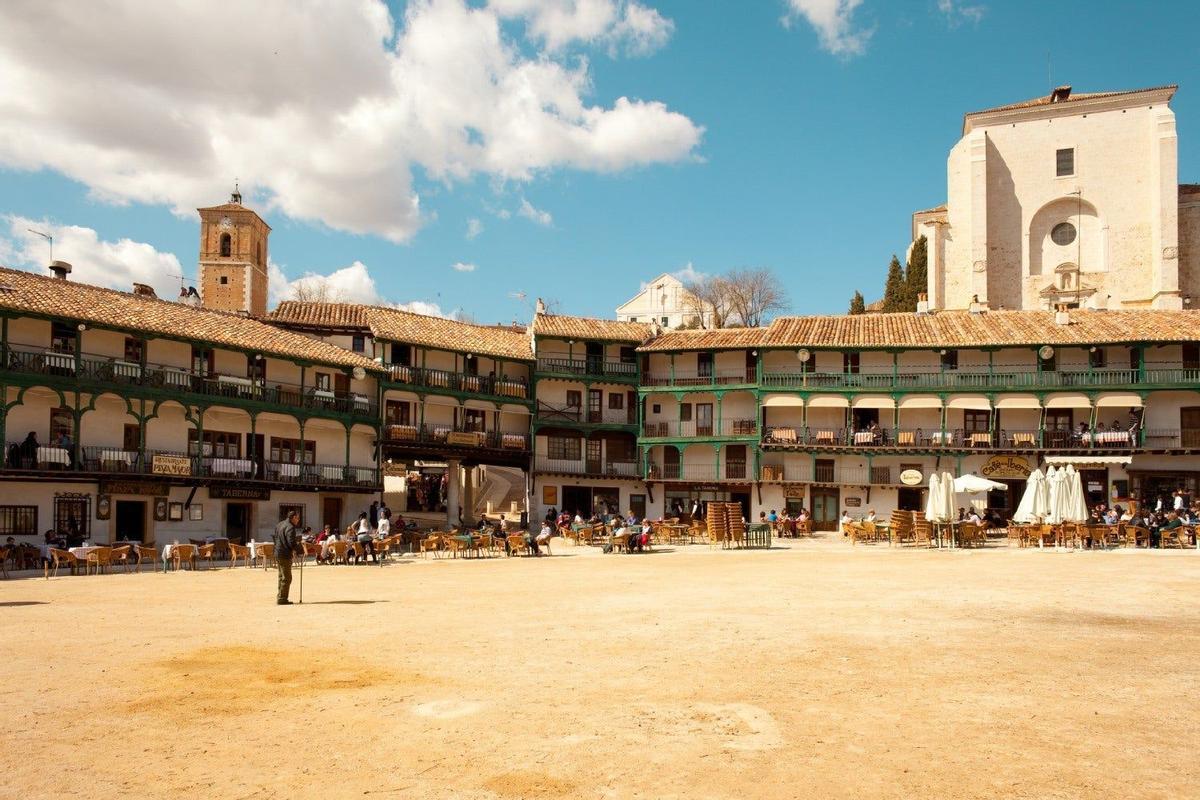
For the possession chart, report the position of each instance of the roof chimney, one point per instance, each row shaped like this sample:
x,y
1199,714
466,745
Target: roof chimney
x,y
144,290
61,269
541,306
1061,315
1060,94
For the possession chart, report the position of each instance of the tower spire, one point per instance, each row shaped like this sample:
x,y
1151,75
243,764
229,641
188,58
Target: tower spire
x,y
236,197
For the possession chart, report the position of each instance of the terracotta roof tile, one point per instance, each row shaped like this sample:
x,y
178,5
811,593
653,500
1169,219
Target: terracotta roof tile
x,y
293,313
561,326
1045,100
448,334
950,329
25,292
722,339
1189,188
933,210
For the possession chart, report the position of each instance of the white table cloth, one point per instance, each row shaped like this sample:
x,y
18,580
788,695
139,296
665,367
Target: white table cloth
x,y
332,473
941,437
231,466
60,360
118,457
82,552
289,470
54,455
864,437
323,394
1106,437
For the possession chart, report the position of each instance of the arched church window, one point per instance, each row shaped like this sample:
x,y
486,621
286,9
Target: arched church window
x,y
1063,234
226,244
258,252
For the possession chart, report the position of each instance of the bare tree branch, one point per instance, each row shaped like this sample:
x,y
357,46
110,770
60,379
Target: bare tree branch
x,y
755,295
315,291
709,299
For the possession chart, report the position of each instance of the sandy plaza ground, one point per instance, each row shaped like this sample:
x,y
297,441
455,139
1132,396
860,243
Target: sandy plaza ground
x,y
810,670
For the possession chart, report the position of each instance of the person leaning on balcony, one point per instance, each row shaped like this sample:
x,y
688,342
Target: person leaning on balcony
x,y
286,544
29,451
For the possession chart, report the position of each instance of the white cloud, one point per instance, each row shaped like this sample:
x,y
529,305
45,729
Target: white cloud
x,y
428,309
618,25
528,211
831,19
689,274
322,109
474,227
957,12
460,266
117,265
352,284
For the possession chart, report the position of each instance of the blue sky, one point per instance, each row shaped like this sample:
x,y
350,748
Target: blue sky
x,y
809,163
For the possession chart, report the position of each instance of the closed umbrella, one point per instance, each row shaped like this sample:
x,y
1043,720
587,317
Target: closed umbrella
x,y
973,484
1076,510
934,506
1056,481
947,498
1034,503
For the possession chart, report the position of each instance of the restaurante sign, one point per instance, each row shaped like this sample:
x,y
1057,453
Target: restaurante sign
x,y
911,477
1006,467
171,465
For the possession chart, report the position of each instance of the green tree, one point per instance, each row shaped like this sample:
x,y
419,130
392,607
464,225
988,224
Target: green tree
x,y
893,290
857,304
915,275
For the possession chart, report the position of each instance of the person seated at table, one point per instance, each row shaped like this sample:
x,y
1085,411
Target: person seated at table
x,y
578,518
1100,427
633,539
55,539
331,536
543,537
875,431
846,519
870,517
962,514
1173,521
773,517
762,518
1111,517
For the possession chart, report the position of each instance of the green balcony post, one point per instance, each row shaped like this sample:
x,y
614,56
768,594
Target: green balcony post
x,y
720,425
1141,367
4,344
672,369
303,448
716,461
758,367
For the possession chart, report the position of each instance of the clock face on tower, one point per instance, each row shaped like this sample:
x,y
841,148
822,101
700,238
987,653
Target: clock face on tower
x,y
226,222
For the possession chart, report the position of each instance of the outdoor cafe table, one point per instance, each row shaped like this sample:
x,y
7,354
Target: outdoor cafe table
x,y
864,437
54,455
83,552
758,535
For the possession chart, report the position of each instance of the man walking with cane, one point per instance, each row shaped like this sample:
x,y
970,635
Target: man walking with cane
x,y
286,545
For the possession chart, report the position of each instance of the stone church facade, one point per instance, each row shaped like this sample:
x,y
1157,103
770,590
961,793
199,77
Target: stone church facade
x,y
1066,199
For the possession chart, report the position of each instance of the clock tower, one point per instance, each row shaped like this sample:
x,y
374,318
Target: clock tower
x,y
233,258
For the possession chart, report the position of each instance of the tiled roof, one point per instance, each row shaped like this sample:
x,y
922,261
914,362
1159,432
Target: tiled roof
x,y
949,329
607,330
1189,188
933,210
722,339
1045,100
25,292
448,334
293,313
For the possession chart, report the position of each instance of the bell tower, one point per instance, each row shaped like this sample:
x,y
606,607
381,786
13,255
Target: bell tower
x,y
233,258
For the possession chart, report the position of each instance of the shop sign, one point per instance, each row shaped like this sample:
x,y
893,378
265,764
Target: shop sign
x,y
171,465
461,439
853,502
912,477
148,488
220,492
1013,467
793,492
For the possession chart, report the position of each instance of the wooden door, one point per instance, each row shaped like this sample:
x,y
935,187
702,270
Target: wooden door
x,y
704,419
1189,426
595,409
593,459
825,502
331,512
341,384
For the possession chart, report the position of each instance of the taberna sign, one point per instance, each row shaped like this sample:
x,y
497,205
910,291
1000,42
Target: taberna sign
x,y
912,477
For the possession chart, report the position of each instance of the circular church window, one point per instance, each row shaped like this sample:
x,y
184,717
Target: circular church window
x,y
1063,233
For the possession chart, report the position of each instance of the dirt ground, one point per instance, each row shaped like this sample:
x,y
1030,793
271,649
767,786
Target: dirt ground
x,y
811,670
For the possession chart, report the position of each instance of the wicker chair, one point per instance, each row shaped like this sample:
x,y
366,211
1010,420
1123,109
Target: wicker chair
x,y
1171,537
238,552
145,554
60,557
120,555
339,551
100,558
516,544
970,535
432,543
184,554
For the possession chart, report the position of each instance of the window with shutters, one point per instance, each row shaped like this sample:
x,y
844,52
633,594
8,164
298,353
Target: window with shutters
x,y
1064,162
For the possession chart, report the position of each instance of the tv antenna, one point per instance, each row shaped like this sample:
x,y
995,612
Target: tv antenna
x,y
48,238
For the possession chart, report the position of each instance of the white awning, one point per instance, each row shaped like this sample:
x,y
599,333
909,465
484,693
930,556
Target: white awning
x,y
482,405
1118,400
1068,401
828,401
440,400
974,402
1018,401
782,401
874,401
511,408
1085,460
921,401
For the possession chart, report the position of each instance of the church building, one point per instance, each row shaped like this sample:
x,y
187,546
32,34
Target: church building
x,y
1068,199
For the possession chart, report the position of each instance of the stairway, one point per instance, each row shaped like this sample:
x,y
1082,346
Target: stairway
x,y
503,487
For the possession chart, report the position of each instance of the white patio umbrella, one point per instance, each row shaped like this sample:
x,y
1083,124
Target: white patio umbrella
x,y
935,507
1076,503
948,496
1035,503
973,484
1056,480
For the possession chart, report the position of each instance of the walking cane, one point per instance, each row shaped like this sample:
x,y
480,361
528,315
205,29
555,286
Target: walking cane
x,y
303,557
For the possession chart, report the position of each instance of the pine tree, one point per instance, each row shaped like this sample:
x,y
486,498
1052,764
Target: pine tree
x,y
857,304
893,290
915,277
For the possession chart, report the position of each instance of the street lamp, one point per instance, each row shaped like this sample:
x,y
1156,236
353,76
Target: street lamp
x,y
48,238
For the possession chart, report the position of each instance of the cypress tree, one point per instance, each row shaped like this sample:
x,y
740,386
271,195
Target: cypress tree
x,y
894,289
915,277
857,304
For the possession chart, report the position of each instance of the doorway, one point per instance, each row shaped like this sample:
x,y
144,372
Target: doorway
x,y
577,500
595,358
910,499
130,519
743,499
331,512
237,522
825,502
1095,486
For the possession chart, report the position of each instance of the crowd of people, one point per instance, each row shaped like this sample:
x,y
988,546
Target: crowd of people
x,y
627,529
